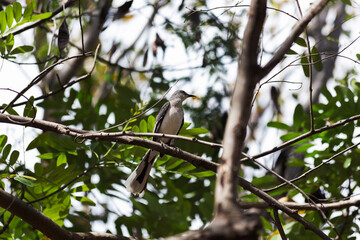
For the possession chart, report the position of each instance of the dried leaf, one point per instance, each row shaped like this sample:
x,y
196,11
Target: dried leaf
x,y
275,93
145,57
122,10
63,38
112,50
160,43
154,49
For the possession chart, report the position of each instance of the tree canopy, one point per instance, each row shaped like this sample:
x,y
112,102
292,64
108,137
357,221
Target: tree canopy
x,y
270,151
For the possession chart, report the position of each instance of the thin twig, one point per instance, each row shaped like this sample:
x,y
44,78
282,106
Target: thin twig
x,y
310,72
237,6
27,100
278,224
313,169
128,133
65,185
40,76
304,206
81,29
142,113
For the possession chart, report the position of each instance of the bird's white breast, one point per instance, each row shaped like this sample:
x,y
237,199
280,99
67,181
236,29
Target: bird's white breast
x,y
171,122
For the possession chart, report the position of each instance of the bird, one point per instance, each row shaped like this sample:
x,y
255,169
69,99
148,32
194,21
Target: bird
x,y
169,120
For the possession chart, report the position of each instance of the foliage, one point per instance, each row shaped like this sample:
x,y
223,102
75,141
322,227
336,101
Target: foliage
x,y
78,183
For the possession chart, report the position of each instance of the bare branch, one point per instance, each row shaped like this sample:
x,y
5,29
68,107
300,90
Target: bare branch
x,y
303,136
40,76
278,224
313,169
78,133
297,30
305,206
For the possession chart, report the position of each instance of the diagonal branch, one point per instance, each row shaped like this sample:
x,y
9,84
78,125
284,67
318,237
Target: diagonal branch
x,y
298,29
44,224
305,206
37,23
99,136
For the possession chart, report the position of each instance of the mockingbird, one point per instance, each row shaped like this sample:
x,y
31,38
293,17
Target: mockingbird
x,y
169,121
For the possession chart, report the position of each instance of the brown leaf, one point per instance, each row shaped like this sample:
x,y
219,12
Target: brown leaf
x,y
154,49
159,42
122,10
145,57
63,38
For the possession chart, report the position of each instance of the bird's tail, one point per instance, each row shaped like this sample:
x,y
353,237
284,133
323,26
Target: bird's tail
x,y
136,182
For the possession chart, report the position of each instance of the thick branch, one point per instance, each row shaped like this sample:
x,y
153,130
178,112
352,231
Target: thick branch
x,y
44,224
235,132
274,203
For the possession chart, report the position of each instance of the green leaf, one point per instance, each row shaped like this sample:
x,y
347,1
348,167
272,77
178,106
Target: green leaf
x,y
2,48
143,126
3,140
265,224
279,125
289,136
347,2
358,56
40,16
24,181
9,42
2,22
316,58
82,188
9,15
29,9
305,64
5,152
194,131
300,41
151,123
14,157
61,159
47,155
304,147
173,163
10,110
291,52
298,117
85,200
135,128
185,167
22,49
347,163
17,11
29,110
203,174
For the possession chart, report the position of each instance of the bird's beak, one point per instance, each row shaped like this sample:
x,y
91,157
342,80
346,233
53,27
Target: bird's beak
x,y
194,97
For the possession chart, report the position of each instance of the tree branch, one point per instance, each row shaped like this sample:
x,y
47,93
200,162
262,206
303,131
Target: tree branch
x,y
305,206
298,29
44,224
100,136
37,23
278,224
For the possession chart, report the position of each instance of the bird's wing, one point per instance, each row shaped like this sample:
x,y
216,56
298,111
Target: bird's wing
x,y
160,117
172,140
182,123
